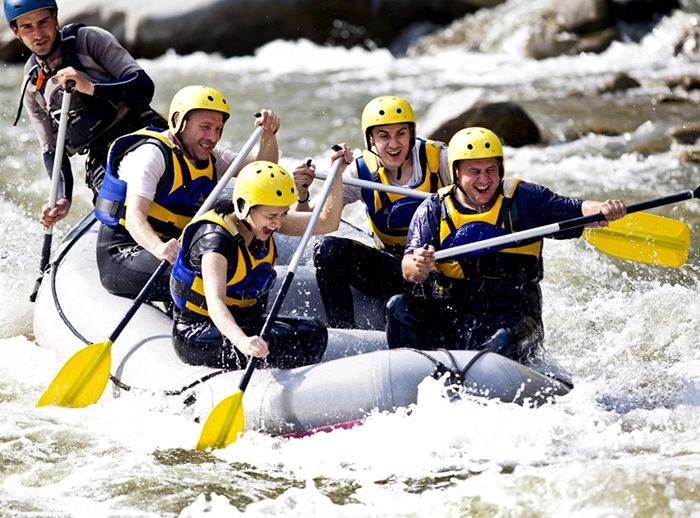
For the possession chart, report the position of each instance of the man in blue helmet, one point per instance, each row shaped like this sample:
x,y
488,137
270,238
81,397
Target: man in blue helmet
x,y
111,94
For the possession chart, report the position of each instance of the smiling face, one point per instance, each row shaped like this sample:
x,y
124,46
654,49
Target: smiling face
x,y
266,219
38,30
200,132
392,143
479,180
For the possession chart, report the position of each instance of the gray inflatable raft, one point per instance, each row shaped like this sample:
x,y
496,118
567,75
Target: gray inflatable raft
x,y
357,375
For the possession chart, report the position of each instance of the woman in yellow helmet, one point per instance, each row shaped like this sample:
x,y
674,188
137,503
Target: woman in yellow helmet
x,y
155,183
394,156
225,270
489,299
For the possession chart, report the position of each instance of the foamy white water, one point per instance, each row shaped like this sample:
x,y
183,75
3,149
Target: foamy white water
x,y
623,443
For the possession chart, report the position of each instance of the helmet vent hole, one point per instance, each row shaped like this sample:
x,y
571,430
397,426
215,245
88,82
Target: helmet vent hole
x,y
469,146
487,145
279,193
211,99
398,110
381,112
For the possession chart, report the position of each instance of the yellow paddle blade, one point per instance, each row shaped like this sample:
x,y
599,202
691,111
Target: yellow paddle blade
x,y
83,378
223,424
645,238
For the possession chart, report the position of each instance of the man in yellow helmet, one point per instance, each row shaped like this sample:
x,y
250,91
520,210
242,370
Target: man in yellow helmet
x,y
488,299
396,157
155,183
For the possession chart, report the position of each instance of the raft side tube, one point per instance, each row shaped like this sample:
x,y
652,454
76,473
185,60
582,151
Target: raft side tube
x,y
349,389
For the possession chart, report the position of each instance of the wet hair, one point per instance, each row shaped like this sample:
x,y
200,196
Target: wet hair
x,y
223,207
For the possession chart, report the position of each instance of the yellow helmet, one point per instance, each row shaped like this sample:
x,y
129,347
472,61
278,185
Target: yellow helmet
x,y
386,110
262,183
472,143
196,98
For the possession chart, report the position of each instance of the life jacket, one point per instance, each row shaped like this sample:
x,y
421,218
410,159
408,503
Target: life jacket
x,y
181,190
252,278
89,117
518,263
390,214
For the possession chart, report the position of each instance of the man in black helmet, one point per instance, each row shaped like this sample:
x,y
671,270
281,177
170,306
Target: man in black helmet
x,y
111,94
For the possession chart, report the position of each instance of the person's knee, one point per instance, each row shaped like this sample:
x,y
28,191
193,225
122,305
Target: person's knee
x,y
329,252
297,341
400,330
395,307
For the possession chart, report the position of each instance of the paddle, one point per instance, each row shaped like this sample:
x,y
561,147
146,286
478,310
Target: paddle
x,y
547,230
59,151
226,421
84,376
641,237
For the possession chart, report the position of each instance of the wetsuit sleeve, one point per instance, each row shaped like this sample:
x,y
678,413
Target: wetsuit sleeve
x,y
128,83
538,206
65,184
211,238
425,226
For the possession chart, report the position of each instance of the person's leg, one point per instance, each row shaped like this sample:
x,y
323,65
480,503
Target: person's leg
x,y
296,342
419,323
126,268
199,342
342,264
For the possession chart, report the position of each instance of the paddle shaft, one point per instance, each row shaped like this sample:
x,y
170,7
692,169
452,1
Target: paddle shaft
x,y
377,186
291,270
208,204
547,230
59,151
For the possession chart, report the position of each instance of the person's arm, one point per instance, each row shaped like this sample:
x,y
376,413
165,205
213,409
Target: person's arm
x,y
141,230
295,222
268,149
611,209
419,255
123,80
304,176
417,265
46,135
539,206
214,269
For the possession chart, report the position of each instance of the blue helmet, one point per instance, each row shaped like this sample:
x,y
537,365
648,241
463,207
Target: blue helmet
x,y
16,8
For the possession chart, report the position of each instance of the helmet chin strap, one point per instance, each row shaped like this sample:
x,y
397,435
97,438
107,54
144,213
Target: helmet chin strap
x,y
181,144
399,170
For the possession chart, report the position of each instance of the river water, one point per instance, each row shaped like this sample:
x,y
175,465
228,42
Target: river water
x,y
625,442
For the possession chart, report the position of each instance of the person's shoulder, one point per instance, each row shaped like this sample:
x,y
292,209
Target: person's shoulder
x,y
529,188
30,64
90,35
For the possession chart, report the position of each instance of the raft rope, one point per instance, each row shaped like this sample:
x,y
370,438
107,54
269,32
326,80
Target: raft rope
x,y
83,227
456,376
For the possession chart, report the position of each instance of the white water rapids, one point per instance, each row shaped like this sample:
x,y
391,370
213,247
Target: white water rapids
x,y
625,442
